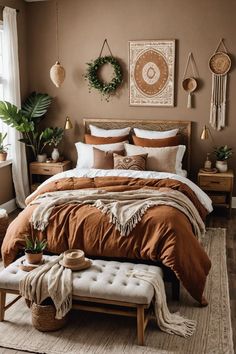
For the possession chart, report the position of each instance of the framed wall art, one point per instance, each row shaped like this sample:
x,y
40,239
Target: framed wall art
x,y
151,73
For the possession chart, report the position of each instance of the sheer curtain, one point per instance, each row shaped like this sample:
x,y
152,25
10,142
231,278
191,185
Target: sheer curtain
x,y
11,93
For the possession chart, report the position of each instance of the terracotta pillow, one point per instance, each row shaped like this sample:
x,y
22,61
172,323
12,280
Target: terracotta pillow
x,y
136,162
104,159
172,141
97,140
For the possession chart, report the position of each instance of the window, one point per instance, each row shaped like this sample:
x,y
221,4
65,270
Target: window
x,y
1,61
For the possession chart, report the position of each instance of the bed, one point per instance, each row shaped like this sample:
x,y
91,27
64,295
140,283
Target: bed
x,y
164,233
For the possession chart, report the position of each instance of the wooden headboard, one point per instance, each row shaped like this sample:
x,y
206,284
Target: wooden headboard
x,y
183,126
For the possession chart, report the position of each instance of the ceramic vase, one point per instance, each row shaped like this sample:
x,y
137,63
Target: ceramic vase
x,y
41,158
222,166
55,155
57,74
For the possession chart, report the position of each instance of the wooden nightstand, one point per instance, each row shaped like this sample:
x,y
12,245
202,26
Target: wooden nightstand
x,y
219,187
43,169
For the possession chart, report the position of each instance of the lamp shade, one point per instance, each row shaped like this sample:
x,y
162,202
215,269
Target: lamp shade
x,y
68,124
205,133
57,74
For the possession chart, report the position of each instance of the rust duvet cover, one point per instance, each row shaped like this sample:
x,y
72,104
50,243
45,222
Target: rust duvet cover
x,y
164,233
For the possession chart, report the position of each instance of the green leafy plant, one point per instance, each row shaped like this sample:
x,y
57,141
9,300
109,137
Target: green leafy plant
x,y
26,120
92,75
34,245
3,147
54,135
223,153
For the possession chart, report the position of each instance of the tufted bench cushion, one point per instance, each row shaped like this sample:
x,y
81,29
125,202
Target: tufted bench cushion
x,y
104,282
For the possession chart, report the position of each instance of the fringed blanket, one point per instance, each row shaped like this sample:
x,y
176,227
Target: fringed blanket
x,y
49,280
171,323
125,209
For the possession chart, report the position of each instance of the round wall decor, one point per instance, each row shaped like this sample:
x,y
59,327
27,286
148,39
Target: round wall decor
x,y
151,72
220,63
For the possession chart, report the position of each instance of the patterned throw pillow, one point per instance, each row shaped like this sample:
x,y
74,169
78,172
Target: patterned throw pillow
x,y
136,162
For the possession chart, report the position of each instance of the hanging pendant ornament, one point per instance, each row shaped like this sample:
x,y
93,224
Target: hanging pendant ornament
x,y
189,84
57,72
219,64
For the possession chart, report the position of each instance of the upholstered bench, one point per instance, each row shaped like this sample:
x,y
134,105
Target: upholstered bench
x,y
104,283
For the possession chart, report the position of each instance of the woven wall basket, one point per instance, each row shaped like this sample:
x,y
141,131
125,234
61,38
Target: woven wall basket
x,y
43,318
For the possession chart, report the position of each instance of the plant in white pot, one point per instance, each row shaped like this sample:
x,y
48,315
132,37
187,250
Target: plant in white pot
x,y
3,148
34,249
55,137
222,153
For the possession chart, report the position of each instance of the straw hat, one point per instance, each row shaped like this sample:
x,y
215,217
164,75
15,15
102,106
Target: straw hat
x,y
75,260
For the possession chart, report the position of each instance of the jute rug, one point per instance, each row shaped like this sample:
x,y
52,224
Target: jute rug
x,y
100,334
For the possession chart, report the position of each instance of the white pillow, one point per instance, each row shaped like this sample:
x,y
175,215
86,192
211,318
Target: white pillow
x,y
165,159
85,152
152,134
105,133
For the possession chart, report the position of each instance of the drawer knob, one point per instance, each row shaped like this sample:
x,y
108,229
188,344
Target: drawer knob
x,y
46,169
215,182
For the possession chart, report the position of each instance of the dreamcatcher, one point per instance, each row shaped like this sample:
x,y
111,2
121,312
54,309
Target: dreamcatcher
x,y
219,65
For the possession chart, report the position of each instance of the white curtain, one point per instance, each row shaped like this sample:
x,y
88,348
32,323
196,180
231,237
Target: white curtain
x,y
11,94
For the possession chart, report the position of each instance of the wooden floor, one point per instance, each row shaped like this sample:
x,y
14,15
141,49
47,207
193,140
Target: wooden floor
x,y
218,219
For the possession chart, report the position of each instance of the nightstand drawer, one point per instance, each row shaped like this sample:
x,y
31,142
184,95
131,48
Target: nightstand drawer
x,y
46,170
213,183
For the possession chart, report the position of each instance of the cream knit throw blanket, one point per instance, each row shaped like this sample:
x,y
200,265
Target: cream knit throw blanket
x,y
49,280
125,209
171,323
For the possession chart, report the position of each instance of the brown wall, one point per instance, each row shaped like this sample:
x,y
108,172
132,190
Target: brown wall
x,y
7,189
197,26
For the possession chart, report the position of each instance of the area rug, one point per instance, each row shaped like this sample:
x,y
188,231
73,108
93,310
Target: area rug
x,y
101,334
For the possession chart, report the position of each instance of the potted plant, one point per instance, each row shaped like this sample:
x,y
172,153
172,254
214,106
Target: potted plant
x,y
3,148
222,153
34,249
27,120
56,137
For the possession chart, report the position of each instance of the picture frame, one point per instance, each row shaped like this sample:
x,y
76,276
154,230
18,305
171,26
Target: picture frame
x,y
151,73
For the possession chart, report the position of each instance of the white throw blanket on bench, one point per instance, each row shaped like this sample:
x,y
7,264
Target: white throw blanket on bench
x,y
125,209
49,280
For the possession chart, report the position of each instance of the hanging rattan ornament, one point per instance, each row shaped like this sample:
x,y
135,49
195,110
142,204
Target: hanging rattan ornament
x,y
189,84
57,72
219,65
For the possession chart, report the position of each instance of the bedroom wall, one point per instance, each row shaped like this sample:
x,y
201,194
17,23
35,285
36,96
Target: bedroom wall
x,y
197,26
7,189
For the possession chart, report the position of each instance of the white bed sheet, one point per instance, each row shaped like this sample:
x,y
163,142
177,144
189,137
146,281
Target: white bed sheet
x,y
202,196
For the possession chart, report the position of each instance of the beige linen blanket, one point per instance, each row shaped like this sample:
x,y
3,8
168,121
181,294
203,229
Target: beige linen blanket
x,y
49,280
125,209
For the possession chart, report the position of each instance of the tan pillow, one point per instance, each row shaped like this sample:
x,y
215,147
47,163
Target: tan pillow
x,y
172,141
136,162
97,140
104,159
165,159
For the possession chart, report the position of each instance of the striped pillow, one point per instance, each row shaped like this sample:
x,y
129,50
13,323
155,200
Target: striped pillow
x,y
136,162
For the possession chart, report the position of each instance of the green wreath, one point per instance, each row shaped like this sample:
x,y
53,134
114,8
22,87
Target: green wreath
x,y
106,88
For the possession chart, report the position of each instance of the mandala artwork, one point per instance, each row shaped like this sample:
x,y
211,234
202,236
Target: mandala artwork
x,y
152,73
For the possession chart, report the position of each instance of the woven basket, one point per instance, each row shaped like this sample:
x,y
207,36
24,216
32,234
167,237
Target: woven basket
x,y
43,318
4,222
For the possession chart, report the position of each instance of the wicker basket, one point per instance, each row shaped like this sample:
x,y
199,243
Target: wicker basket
x,y
43,317
4,222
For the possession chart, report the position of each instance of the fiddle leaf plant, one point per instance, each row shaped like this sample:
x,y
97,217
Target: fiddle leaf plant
x,y
26,120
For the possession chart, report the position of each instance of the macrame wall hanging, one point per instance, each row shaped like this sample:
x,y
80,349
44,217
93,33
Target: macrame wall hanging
x,y
189,83
219,65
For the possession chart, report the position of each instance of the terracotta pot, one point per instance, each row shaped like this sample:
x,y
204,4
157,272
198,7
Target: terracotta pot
x,y
222,166
33,258
3,156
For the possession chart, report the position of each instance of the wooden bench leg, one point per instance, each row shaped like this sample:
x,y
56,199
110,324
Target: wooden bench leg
x,y
2,305
140,324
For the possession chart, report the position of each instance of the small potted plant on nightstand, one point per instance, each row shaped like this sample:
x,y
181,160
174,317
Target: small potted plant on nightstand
x,y
55,137
222,153
3,148
34,249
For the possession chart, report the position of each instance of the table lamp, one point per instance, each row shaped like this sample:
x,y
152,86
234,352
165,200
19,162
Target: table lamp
x,y
205,135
